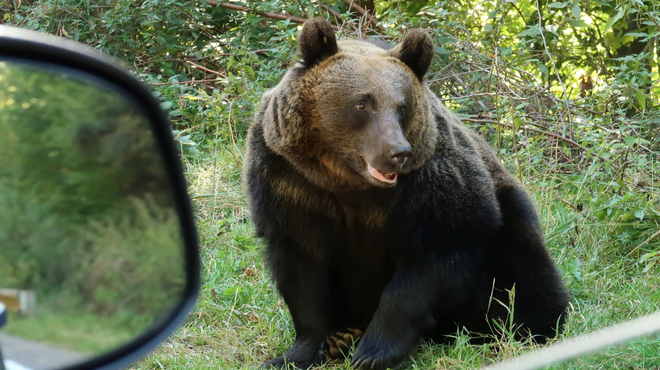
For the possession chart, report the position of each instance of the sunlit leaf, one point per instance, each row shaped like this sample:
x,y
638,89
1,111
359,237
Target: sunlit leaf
x,y
577,23
516,122
544,70
622,11
551,28
576,11
530,31
641,98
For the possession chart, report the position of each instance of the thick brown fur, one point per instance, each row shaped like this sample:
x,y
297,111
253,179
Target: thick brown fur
x,y
383,212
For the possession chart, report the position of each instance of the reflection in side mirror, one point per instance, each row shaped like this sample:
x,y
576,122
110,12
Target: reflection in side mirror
x,y
91,249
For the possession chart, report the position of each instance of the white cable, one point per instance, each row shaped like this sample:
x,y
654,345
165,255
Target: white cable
x,y
570,348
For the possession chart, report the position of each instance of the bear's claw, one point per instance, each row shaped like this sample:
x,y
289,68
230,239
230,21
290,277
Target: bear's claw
x,y
341,343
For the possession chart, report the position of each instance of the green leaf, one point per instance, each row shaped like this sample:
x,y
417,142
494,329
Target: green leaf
x,y
577,23
622,11
166,105
577,11
630,140
249,71
232,290
530,31
637,34
558,5
552,28
185,140
641,98
544,70
647,256
574,267
628,216
648,267
516,122
640,214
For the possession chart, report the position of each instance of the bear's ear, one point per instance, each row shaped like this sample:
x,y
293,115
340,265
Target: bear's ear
x,y
317,41
416,51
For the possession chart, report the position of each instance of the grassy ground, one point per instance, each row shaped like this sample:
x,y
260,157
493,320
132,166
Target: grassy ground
x,y
79,331
240,320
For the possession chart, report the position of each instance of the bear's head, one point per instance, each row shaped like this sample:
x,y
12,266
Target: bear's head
x,y
353,115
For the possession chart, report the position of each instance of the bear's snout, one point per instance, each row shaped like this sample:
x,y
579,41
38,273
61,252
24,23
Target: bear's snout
x,y
400,155
390,161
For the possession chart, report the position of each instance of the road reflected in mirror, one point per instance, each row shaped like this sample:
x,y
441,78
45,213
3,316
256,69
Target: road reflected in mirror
x,y
91,254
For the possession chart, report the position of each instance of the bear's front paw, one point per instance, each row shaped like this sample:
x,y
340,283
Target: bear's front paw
x,y
276,363
284,363
378,354
341,343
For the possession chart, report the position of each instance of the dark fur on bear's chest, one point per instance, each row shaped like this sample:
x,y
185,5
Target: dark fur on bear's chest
x,y
356,239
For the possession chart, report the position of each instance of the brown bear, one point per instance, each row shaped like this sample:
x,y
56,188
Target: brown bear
x,y
382,212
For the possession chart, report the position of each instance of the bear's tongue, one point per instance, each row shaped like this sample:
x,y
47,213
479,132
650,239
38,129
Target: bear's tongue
x,y
388,177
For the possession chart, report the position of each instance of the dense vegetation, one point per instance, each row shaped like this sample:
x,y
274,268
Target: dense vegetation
x,y
567,92
88,221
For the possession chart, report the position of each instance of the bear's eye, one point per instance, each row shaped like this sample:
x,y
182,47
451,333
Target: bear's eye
x,y
360,106
402,110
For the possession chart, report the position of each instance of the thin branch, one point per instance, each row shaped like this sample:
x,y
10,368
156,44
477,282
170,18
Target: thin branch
x,y
519,12
465,87
469,96
206,69
185,82
570,204
645,94
365,13
645,242
258,12
545,45
337,16
565,139
303,9
185,59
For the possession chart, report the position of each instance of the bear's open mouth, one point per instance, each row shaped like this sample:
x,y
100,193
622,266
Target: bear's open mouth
x,y
388,177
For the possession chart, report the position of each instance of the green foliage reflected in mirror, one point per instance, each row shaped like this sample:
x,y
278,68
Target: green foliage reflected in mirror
x,y
91,254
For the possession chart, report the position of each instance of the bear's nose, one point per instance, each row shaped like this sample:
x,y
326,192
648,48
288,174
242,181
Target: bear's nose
x,y
401,154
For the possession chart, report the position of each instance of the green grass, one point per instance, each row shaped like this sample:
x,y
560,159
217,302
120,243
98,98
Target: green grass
x,y
78,331
240,320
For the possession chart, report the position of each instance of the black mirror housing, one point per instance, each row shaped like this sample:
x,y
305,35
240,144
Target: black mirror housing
x,y
30,47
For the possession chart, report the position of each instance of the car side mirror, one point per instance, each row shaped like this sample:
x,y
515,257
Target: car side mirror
x,y
99,260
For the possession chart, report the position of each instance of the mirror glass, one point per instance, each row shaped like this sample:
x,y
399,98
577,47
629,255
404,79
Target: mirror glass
x,y
91,254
